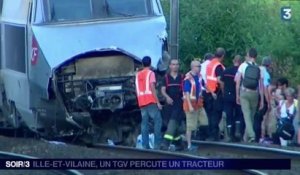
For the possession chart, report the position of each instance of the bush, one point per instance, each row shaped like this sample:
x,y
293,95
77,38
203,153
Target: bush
x,y
238,25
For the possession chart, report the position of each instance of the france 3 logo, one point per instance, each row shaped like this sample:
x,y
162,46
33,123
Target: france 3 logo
x,y
286,13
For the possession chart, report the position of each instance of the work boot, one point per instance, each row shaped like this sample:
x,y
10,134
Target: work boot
x,y
165,145
201,133
238,134
195,135
179,145
229,137
206,132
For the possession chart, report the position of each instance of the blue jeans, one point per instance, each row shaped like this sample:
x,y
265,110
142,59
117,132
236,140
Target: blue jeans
x,y
152,111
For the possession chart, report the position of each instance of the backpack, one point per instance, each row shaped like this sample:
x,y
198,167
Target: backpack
x,y
251,76
285,127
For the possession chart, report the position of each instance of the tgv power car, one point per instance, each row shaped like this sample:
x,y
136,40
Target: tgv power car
x,y
68,66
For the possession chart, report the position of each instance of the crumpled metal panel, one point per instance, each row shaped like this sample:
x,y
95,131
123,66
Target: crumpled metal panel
x,y
113,66
139,37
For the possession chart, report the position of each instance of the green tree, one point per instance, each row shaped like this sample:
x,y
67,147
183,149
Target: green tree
x,y
238,25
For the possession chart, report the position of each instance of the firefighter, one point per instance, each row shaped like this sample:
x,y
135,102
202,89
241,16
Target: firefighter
x,y
214,87
148,103
193,102
234,115
172,92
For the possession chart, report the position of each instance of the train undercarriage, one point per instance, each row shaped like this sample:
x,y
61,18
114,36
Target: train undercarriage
x,y
98,91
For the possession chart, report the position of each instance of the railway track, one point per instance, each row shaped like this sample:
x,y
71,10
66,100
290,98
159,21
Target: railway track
x,y
156,154
206,150
246,151
234,150
8,155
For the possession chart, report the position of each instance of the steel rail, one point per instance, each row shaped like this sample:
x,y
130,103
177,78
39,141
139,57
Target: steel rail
x,y
158,154
252,150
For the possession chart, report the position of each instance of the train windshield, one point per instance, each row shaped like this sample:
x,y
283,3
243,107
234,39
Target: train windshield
x,y
77,10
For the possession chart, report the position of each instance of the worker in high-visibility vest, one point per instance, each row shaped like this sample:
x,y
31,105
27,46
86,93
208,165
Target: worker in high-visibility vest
x,y
148,103
193,102
214,88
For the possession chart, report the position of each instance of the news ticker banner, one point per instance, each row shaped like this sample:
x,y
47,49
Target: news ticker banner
x,y
158,164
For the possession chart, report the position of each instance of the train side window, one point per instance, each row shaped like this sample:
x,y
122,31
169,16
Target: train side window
x,y
83,9
39,17
1,5
156,7
128,8
14,47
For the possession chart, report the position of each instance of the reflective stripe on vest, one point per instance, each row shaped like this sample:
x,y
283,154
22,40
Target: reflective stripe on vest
x,y
193,87
147,90
174,84
196,103
211,78
143,91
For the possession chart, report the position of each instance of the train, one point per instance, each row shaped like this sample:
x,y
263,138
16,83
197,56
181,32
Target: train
x,y
68,66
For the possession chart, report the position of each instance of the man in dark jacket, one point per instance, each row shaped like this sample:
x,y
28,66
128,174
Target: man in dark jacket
x,y
234,116
172,91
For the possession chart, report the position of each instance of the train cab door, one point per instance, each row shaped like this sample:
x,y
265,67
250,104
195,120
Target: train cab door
x,y
14,56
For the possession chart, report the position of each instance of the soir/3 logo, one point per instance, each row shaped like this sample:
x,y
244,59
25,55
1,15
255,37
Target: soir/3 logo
x,y
17,164
286,13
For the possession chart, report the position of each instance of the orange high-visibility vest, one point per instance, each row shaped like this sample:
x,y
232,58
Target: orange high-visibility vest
x,y
211,78
196,103
143,91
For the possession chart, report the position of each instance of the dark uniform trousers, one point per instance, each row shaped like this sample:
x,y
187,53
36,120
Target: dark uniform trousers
x,y
214,109
234,117
258,118
176,116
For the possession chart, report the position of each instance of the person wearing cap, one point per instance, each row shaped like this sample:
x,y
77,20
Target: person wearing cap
x,y
261,117
234,116
148,103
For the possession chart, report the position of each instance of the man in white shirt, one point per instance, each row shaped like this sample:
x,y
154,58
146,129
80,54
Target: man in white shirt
x,y
249,85
207,58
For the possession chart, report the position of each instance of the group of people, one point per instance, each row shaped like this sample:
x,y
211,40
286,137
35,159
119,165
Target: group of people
x,y
257,109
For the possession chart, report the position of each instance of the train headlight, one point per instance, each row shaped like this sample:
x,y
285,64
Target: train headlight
x,y
109,88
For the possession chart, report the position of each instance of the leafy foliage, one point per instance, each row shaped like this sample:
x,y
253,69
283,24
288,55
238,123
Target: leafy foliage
x,y
238,25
